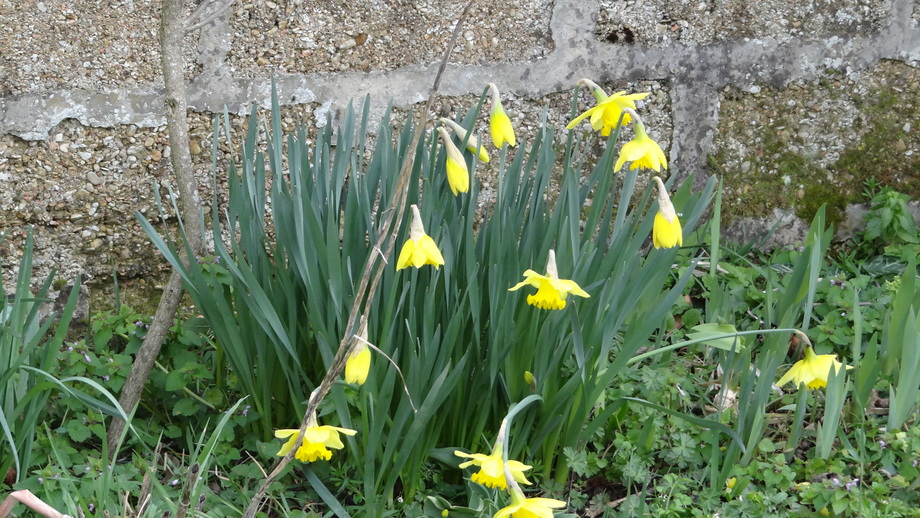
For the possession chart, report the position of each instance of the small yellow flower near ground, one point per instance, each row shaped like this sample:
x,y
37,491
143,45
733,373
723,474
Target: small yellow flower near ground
x,y
316,442
499,124
458,176
730,483
522,507
606,114
813,370
472,143
642,151
419,249
666,231
551,290
492,468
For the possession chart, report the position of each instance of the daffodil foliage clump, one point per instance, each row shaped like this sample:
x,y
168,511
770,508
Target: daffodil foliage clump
x,y
452,329
556,304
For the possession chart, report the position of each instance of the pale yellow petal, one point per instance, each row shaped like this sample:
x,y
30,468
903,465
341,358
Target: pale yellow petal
x,y
430,248
405,255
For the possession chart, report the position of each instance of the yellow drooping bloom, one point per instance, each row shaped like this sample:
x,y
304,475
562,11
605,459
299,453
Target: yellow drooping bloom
x,y
458,176
316,444
492,468
499,123
605,115
419,249
551,290
813,370
522,507
472,143
642,151
358,365
666,231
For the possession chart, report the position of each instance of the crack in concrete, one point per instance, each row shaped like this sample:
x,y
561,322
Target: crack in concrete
x,y
696,73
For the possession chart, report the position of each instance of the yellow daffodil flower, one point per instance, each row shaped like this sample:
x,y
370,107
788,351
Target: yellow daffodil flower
x,y
522,507
492,468
458,176
605,115
358,363
499,123
551,290
316,442
813,370
666,231
472,143
419,249
642,151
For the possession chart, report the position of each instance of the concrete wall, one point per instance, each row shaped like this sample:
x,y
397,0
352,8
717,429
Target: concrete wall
x,y
789,101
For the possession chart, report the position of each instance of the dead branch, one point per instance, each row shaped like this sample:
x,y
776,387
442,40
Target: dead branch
x,y
172,30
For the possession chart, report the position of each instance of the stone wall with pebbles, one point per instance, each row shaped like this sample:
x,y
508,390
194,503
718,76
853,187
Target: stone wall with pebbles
x,y
792,103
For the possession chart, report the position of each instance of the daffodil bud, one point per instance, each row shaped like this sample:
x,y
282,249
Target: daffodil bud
x,y
499,123
666,230
472,143
458,176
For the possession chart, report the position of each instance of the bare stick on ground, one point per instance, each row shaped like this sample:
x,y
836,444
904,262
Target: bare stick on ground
x,y
172,30
25,497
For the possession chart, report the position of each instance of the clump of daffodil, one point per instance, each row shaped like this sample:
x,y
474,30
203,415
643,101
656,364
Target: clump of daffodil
x,y
316,443
472,143
499,123
666,231
813,370
641,151
523,507
419,249
606,114
359,360
458,176
493,467
551,290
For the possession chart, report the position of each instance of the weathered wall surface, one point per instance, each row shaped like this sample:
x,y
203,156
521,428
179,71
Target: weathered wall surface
x,y
789,101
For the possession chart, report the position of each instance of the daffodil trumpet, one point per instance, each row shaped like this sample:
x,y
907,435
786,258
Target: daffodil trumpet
x,y
523,507
551,290
606,115
494,468
666,230
317,441
419,249
458,176
499,123
641,151
813,370
472,143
